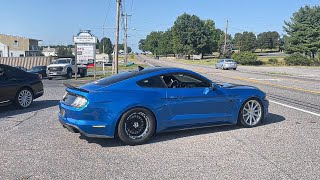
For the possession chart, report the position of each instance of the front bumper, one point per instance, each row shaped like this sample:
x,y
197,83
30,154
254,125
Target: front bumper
x,y
56,73
266,107
38,94
88,128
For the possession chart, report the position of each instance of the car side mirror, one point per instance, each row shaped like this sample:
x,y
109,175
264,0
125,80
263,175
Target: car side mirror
x,y
213,86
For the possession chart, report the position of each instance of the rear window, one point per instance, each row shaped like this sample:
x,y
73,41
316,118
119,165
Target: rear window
x,y
153,82
115,78
229,60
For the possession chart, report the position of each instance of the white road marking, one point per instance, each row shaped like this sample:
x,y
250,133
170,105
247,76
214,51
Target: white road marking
x,y
265,79
302,110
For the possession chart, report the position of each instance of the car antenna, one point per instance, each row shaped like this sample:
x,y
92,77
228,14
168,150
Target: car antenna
x,y
140,68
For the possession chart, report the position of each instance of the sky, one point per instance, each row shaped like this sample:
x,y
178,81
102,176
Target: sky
x,y
55,22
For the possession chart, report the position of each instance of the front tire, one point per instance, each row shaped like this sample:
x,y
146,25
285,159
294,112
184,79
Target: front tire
x,y
24,98
251,113
69,74
136,126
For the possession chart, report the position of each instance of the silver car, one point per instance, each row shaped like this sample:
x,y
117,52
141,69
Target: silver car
x,y
226,64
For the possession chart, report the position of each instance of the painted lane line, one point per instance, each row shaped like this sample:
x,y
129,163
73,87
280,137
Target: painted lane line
x,y
265,79
298,109
270,84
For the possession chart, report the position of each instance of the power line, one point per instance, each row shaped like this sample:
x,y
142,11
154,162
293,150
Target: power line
x,y
107,12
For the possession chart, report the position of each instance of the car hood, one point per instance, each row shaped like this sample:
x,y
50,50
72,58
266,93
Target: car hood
x,y
236,86
57,65
33,71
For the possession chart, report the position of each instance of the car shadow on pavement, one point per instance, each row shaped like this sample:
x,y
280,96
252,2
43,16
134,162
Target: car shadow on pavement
x,y
167,136
12,110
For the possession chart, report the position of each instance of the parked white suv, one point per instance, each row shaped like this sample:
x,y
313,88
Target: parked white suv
x,y
64,67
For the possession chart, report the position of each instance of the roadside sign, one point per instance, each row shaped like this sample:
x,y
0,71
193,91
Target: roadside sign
x,y
85,52
85,45
84,39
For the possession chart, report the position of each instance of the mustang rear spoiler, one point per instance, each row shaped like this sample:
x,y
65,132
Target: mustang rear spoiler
x,y
76,88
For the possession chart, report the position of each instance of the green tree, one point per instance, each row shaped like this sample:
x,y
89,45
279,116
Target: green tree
x,y
142,45
166,43
69,52
304,31
191,35
129,49
152,42
268,40
61,51
213,39
282,43
248,41
97,45
107,45
238,41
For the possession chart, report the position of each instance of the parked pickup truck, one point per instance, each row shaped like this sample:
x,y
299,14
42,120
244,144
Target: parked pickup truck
x,y
65,67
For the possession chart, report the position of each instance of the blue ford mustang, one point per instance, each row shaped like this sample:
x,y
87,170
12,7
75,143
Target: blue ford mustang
x,y
135,105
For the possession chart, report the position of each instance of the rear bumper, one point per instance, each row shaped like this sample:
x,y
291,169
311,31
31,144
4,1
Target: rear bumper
x,y
229,66
94,129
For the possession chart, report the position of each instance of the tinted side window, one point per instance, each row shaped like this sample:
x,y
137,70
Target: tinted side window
x,y
153,82
14,72
184,81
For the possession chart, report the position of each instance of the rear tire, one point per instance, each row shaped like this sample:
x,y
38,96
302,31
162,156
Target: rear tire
x,y
24,98
234,68
136,126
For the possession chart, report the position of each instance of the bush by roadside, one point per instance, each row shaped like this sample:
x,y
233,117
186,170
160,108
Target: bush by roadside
x,y
315,61
246,58
273,61
298,59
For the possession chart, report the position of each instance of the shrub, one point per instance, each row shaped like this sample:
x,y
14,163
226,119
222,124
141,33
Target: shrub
x,y
246,58
273,61
297,59
315,62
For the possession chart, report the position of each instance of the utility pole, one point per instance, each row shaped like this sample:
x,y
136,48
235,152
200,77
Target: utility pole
x,y
116,70
125,41
225,38
101,40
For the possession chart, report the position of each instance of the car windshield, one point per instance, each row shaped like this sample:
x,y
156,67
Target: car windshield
x,y
37,68
229,60
62,61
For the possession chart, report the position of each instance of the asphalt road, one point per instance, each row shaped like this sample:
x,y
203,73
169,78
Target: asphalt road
x,y
286,146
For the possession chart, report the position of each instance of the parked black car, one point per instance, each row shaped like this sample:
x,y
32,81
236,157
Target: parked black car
x,y
22,68
18,86
39,70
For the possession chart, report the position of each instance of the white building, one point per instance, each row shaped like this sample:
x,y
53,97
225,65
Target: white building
x,y
15,46
3,50
49,51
